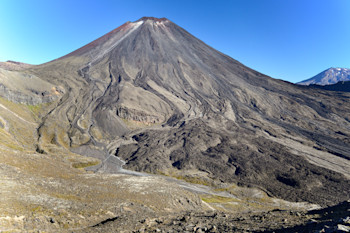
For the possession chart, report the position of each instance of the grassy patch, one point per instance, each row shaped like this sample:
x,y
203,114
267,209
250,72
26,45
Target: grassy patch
x,y
193,180
85,164
227,189
66,196
218,199
6,140
189,179
96,133
14,147
35,109
20,122
20,109
37,209
62,137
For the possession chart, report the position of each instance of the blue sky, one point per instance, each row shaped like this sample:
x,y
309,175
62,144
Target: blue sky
x,y
285,39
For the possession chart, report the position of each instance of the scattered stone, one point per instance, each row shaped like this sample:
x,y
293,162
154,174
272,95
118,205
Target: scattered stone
x,y
158,221
346,220
343,228
185,218
312,221
213,228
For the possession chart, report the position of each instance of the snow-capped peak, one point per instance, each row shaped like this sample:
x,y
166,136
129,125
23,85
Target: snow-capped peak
x,y
329,76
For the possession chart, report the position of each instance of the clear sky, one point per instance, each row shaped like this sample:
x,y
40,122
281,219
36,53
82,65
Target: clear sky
x,y
285,39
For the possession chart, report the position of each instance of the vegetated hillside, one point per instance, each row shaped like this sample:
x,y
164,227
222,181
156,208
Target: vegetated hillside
x,y
165,102
328,77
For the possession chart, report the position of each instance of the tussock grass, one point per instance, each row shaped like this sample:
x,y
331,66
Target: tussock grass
x,y
96,133
85,164
218,199
193,180
187,178
36,109
20,109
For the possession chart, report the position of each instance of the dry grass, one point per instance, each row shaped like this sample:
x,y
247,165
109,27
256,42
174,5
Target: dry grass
x,y
20,109
193,180
96,133
21,123
218,199
37,110
190,178
85,164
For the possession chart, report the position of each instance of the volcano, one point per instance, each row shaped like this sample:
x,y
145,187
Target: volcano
x,y
163,101
328,77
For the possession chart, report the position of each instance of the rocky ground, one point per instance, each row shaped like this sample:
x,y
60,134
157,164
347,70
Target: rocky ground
x,y
332,219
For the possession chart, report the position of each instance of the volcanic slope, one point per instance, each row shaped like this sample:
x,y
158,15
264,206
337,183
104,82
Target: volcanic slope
x,y
165,102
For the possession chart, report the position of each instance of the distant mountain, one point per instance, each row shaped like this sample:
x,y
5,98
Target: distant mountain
x,y
329,76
